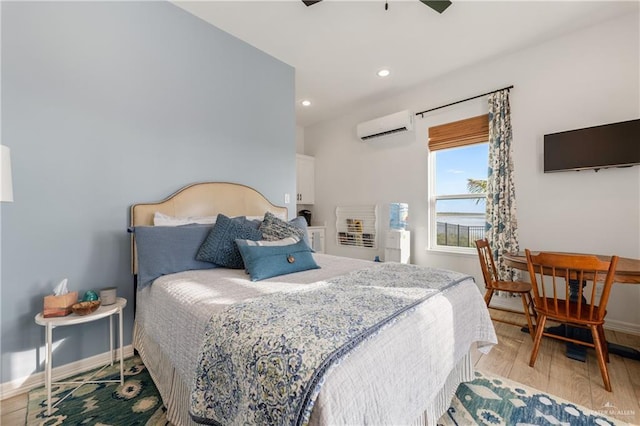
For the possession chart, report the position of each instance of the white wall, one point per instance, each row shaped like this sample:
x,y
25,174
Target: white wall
x,y
299,140
583,79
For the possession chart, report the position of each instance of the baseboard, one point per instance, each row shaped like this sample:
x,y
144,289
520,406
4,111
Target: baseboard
x,y
515,303
624,327
25,384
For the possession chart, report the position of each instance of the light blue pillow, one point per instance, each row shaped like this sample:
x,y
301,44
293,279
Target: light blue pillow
x,y
301,222
220,247
266,261
168,249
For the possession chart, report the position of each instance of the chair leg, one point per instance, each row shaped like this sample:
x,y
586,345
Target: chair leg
x,y
488,295
600,354
542,319
605,346
525,305
532,307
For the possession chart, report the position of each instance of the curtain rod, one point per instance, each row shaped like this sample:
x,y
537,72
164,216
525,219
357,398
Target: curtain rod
x,y
422,113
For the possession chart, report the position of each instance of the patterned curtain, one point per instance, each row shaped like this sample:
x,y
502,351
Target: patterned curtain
x,y
502,226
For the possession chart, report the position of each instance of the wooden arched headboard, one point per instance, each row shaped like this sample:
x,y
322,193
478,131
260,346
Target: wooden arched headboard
x,y
204,199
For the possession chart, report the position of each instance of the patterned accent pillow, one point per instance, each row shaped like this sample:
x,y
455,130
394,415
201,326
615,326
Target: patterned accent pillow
x,y
220,247
270,259
274,228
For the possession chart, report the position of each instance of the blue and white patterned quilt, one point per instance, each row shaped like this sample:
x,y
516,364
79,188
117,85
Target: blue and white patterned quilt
x,y
263,361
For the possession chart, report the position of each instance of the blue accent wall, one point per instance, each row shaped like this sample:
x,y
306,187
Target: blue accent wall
x,y
105,104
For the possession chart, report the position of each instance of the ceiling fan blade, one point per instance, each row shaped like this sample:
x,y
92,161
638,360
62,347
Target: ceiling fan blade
x,y
437,5
310,2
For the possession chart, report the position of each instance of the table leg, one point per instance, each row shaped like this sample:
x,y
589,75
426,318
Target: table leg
x,y
623,351
579,352
47,374
111,338
121,347
574,351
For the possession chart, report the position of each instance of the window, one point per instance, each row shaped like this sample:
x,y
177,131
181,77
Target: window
x,y
458,177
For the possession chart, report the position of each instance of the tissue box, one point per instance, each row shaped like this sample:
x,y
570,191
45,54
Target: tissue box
x,y
59,306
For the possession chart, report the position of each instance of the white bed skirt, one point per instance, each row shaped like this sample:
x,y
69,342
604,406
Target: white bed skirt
x,y
176,394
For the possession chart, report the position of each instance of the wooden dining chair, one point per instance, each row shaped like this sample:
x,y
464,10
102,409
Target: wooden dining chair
x,y
562,297
493,283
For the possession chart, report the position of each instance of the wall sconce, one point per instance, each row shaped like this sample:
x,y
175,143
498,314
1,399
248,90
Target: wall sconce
x,y
6,184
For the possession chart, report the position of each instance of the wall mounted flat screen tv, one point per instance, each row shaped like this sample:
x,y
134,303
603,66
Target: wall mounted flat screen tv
x,y
599,147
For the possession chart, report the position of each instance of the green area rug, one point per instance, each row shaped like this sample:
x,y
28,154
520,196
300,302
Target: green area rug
x,y
137,402
488,400
492,400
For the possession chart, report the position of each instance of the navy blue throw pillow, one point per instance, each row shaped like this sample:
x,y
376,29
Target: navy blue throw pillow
x,y
220,247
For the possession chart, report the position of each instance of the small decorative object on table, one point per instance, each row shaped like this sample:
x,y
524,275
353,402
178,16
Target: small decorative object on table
x,y
84,308
59,306
108,296
89,296
59,303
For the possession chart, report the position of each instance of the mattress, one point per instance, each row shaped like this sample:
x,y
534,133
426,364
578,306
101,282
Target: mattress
x,y
407,371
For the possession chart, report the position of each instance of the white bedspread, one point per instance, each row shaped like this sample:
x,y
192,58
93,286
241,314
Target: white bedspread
x,y
389,378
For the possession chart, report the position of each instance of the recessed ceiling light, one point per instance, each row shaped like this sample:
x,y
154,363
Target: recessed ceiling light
x,y
383,72
306,102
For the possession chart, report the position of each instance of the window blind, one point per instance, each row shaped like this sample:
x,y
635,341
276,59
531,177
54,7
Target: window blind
x,y
459,133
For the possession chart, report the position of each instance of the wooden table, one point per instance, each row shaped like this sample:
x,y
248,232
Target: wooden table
x,y
627,272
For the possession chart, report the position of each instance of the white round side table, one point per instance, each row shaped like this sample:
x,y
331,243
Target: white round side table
x,y
72,319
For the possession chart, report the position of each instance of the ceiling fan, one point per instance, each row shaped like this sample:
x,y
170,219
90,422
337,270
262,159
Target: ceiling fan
x,y
437,5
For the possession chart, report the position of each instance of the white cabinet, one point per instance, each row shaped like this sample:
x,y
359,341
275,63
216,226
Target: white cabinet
x,y
398,246
305,179
316,238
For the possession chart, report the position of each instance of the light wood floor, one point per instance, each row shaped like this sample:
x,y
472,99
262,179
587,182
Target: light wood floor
x,y
578,382
554,373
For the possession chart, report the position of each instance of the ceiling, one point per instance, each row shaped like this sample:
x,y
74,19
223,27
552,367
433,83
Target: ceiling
x,y
338,46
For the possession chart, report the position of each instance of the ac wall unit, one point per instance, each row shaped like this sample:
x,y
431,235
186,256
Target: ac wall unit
x,y
389,124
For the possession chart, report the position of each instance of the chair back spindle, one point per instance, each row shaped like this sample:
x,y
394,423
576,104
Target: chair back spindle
x,y
567,282
489,271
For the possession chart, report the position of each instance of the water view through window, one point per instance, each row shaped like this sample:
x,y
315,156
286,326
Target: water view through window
x,y
460,186
460,229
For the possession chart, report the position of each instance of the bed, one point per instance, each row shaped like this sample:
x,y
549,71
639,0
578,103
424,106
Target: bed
x,y
403,367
